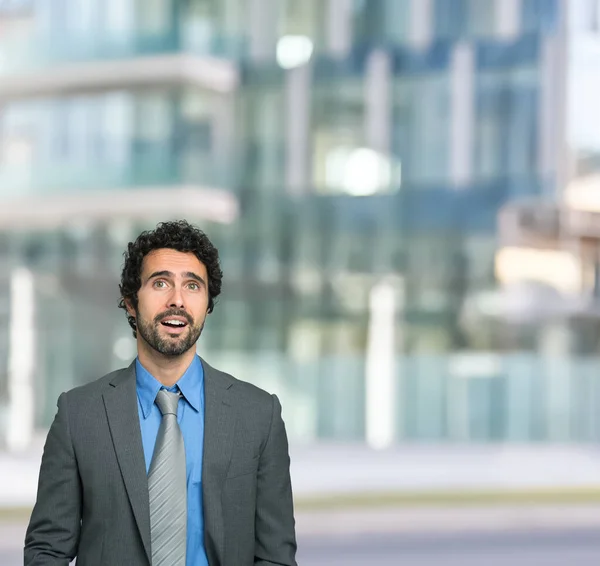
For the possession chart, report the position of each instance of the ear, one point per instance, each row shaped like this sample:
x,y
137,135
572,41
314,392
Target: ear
x,y
130,309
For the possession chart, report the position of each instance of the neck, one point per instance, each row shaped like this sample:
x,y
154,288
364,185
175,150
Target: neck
x,y
166,369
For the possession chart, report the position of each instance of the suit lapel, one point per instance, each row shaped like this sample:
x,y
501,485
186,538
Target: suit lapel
x,y
219,425
121,409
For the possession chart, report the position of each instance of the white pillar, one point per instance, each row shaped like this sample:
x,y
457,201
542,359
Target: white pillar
x,y
381,378
339,27
554,153
508,18
421,23
21,356
378,109
223,119
262,25
546,109
298,94
462,120
555,352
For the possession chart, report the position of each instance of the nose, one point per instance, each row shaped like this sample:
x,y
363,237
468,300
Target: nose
x,y
176,299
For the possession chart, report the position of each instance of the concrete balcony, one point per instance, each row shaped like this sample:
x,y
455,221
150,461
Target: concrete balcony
x,y
46,197
141,203
46,67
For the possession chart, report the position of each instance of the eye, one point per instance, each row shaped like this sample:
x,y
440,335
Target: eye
x,y
194,286
160,284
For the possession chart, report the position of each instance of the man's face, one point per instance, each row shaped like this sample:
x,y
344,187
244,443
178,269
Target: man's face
x,y
172,301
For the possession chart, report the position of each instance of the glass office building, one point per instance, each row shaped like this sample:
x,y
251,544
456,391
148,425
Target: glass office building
x,y
330,148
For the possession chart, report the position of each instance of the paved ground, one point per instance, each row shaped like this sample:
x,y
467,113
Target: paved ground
x,y
328,469
442,521
325,469
11,541
557,548
493,536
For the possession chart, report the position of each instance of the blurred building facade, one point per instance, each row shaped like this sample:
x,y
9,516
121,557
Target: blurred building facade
x,y
350,158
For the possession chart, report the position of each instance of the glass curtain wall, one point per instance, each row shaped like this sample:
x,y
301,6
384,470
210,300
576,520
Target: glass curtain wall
x,y
300,268
158,136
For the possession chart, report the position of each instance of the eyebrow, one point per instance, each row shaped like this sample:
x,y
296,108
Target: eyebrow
x,y
186,274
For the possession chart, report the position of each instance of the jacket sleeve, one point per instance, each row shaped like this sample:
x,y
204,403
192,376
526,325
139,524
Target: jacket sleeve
x,y
53,533
275,525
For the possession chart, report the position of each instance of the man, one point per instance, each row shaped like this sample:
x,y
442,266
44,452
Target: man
x,y
169,462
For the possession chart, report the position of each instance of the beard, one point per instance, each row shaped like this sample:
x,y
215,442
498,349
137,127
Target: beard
x,y
171,346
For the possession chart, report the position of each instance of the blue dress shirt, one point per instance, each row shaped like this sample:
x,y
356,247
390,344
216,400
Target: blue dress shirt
x,y
190,416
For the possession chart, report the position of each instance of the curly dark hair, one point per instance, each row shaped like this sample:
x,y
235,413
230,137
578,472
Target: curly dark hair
x,y
180,236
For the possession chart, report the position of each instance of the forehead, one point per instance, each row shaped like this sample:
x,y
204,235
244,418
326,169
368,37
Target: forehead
x,y
172,260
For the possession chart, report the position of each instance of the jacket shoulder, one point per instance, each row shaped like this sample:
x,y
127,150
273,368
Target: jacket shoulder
x,y
243,390
96,387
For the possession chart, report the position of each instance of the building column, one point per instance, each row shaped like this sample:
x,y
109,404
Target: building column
x,y
386,299
462,119
224,138
508,18
263,22
339,27
421,23
21,361
378,108
555,346
298,143
554,164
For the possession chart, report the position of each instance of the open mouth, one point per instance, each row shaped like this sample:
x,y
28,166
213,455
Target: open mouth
x,y
174,325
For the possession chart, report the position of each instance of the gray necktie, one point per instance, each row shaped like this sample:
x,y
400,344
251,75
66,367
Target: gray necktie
x,y
167,487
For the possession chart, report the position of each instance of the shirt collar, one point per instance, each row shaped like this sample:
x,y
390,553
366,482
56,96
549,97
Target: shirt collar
x,y
191,385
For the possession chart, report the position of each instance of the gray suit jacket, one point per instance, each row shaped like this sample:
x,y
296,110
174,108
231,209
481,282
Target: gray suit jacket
x,y
92,499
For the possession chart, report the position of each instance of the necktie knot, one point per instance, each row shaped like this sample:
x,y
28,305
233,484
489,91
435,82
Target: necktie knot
x,y
167,402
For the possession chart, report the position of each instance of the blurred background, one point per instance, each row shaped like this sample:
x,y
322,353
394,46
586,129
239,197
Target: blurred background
x,y
406,199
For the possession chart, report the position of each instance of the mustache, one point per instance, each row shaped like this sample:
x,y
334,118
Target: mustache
x,y
174,312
